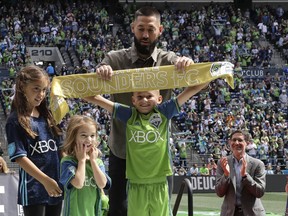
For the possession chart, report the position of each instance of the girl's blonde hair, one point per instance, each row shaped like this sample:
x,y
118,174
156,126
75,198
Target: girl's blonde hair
x,y
5,168
75,123
25,76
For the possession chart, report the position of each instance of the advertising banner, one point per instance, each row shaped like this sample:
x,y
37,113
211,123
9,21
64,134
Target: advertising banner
x,y
8,195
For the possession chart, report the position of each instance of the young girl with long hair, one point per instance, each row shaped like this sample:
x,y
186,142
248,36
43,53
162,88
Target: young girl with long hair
x,y
82,171
33,142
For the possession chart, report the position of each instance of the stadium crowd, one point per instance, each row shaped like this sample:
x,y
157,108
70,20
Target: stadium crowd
x,y
206,34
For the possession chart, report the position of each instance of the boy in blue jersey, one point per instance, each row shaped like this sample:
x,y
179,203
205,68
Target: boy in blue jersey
x,y
147,147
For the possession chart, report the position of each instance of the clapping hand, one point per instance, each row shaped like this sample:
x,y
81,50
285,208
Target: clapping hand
x,y
244,165
225,166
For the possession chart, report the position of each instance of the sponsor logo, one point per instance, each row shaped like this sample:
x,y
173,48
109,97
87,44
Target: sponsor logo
x,y
43,146
221,68
89,182
145,137
203,183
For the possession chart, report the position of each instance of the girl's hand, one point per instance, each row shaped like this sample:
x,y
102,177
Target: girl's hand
x,y
93,153
80,152
52,188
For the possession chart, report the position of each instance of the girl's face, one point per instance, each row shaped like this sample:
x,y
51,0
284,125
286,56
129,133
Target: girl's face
x,y
87,136
35,92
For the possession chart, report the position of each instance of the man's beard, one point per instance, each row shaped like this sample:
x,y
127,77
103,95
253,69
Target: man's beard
x,y
144,49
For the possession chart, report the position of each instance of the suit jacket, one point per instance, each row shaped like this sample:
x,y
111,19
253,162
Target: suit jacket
x,y
253,187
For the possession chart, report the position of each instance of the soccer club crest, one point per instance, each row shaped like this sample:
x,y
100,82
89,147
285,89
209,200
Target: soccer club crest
x,y
155,120
221,68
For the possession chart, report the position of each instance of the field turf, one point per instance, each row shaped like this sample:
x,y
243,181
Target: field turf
x,y
210,204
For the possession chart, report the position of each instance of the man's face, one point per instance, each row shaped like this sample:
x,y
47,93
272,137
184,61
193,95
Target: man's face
x,y
146,33
238,145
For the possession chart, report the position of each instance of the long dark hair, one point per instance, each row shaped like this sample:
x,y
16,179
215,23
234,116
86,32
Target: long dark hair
x,y
20,104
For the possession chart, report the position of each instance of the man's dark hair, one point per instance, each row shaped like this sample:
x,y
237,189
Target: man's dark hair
x,y
244,133
147,11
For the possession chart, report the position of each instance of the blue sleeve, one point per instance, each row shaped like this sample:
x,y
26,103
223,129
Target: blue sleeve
x,y
17,140
122,112
68,170
102,167
109,182
169,108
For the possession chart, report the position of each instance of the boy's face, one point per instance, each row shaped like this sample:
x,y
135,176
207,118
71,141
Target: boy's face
x,y
144,102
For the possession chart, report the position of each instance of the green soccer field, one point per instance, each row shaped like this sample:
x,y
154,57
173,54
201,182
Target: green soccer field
x,y
210,204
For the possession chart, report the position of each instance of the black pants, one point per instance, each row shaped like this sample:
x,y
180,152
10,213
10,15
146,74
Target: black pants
x,y
117,192
43,210
238,212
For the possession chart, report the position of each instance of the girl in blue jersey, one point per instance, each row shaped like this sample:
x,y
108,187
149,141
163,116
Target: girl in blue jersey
x,y
33,142
82,171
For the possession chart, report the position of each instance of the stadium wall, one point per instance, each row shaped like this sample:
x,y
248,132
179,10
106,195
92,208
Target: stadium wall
x,y
200,184
187,4
46,54
40,54
175,1
206,184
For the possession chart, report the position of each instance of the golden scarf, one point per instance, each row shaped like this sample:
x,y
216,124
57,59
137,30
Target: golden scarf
x,y
131,80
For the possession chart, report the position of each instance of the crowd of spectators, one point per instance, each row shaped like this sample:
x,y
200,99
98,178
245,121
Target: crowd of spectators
x,y
213,32
208,33
258,106
273,24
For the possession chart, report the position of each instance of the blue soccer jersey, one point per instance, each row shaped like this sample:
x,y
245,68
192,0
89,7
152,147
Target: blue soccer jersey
x,y
43,151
